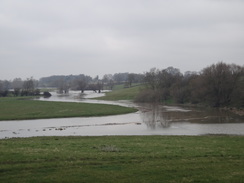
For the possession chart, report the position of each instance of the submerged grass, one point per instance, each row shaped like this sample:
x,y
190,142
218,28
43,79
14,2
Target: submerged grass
x,y
123,159
17,109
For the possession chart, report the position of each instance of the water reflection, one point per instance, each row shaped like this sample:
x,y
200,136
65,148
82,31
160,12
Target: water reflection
x,y
154,117
158,116
151,119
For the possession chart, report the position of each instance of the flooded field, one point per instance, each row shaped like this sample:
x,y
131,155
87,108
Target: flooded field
x,y
149,120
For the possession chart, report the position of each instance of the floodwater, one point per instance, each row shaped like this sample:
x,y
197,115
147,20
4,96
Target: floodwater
x,y
149,120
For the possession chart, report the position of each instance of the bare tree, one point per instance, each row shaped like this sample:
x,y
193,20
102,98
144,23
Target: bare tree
x,y
108,80
81,83
99,86
161,82
130,79
152,79
28,87
17,84
4,87
63,86
220,81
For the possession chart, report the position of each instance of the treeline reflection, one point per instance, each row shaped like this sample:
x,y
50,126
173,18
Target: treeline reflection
x,y
158,116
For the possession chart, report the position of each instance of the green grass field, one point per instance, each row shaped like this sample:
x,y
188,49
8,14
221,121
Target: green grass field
x,y
18,109
168,159
122,93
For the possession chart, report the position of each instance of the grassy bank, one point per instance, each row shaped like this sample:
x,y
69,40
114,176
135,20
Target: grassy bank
x,y
123,159
122,93
17,109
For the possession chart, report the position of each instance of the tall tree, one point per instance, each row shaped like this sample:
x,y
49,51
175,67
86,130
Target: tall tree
x,y
108,80
130,79
17,84
220,81
63,86
28,87
81,82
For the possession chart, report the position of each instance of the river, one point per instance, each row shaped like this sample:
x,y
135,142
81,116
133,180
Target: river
x,y
149,120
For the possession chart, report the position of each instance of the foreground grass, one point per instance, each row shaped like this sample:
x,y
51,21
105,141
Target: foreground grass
x,y
123,159
16,109
122,93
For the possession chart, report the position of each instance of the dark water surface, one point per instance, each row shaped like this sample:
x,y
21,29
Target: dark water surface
x,y
149,120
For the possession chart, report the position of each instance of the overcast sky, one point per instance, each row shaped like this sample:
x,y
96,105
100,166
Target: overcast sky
x,y
97,37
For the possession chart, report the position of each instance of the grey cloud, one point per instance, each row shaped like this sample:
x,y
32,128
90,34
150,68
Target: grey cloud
x,y
73,37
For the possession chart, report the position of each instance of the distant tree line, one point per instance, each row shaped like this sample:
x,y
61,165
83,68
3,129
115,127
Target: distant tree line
x,y
218,85
83,82
30,86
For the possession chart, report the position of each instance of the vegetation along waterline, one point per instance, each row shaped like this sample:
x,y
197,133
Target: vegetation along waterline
x,y
218,85
12,108
123,159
